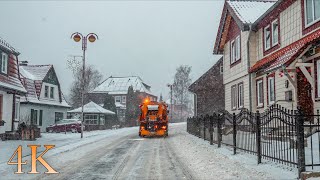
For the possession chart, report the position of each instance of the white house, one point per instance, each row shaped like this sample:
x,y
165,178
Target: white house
x,y
44,103
11,88
118,88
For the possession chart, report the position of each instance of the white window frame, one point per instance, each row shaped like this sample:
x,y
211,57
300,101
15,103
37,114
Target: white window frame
x,y
238,48
46,91
234,97
235,48
17,109
260,102
233,51
240,95
117,99
306,14
274,43
92,120
318,77
52,92
265,37
123,99
271,88
4,63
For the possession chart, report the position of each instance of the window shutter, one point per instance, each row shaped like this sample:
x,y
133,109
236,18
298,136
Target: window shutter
x,y
40,118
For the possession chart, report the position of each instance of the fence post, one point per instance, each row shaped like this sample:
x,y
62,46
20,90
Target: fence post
x,y
258,136
300,141
199,128
234,133
219,129
211,130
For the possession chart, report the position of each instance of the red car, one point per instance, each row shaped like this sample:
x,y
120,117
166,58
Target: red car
x,y
73,125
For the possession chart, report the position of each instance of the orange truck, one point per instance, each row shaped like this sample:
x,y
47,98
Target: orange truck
x,y
153,119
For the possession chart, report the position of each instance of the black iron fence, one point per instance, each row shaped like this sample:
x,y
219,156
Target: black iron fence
x,y
278,134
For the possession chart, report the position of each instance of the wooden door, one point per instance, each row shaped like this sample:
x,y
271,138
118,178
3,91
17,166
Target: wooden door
x,y
304,92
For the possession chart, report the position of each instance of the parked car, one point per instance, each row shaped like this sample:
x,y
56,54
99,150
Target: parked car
x,y
73,125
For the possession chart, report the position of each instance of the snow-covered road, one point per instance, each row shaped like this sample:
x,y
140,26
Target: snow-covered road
x,y
121,154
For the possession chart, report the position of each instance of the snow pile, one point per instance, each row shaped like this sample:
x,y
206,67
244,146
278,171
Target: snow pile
x,y
210,162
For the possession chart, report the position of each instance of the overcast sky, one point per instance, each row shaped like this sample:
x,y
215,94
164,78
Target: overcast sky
x,y
149,39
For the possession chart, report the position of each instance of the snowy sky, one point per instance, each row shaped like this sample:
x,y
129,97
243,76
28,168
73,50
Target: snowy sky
x,y
144,38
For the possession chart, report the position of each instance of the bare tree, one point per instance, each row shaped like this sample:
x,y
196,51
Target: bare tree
x,y
92,79
181,84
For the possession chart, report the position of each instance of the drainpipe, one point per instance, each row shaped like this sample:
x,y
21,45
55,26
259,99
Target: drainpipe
x,y
249,65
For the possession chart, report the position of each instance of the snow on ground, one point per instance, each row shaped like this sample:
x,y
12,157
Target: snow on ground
x,y
210,162
62,141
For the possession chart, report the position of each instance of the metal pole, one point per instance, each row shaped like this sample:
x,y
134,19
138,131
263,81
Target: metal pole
x,y
171,107
83,81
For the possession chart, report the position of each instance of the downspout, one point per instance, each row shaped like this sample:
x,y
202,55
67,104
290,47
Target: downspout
x,y
249,65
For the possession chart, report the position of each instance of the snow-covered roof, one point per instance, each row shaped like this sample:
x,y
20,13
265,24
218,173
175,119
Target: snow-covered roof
x,y
92,107
120,85
7,46
35,72
249,11
31,99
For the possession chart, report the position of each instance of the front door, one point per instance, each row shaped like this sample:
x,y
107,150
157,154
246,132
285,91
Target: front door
x,y
304,92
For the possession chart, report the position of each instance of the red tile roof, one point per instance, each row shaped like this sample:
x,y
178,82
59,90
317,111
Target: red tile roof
x,y
285,55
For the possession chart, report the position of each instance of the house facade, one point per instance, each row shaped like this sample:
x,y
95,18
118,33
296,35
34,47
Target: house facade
x,y
287,56
118,88
11,88
44,103
208,91
95,117
280,50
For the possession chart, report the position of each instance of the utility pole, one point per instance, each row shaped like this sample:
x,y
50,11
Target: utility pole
x,y
171,103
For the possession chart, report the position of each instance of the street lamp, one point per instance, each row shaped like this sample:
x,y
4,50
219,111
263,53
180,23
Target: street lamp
x,y
171,105
92,37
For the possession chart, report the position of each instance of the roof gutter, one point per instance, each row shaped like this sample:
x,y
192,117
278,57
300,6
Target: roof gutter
x,y
249,64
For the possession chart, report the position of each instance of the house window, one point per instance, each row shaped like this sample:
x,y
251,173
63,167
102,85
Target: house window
x,y
271,90
124,98
118,99
4,63
58,116
267,38
17,110
91,119
51,92
312,12
240,95
234,97
102,119
46,91
318,78
260,93
235,50
34,117
275,32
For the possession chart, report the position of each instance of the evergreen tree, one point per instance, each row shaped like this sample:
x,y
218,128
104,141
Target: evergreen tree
x,y
109,104
130,107
161,98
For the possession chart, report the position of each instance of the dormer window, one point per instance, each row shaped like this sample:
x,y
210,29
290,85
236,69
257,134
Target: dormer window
x,y
51,92
46,91
267,37
4,63
275,32
235,50
312,13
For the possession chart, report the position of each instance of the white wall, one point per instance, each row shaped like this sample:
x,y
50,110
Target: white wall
x,y
48,113
6,111
56,92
